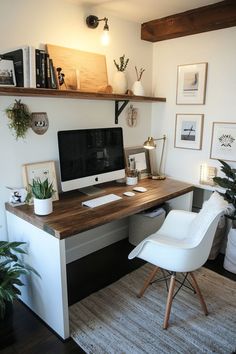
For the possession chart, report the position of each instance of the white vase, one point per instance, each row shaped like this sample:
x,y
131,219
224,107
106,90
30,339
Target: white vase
x,y
43,206
119,83
137,88
230,252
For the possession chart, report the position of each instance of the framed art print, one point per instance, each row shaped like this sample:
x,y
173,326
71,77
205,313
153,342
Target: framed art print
x,y
188,131
41,170
223,141
140,157
7,73
191,84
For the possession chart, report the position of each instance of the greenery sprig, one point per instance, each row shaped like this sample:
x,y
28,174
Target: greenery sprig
x,y
20,119
139,73
123,63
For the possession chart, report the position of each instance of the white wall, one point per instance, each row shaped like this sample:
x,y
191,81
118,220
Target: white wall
x,y
218,49
30,22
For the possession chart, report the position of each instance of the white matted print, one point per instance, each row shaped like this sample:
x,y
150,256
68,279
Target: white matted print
x,y
7,73
188,131
223,141
191,84
41,170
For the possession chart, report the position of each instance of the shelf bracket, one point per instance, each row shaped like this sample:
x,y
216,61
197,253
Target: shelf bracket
x,y
119,109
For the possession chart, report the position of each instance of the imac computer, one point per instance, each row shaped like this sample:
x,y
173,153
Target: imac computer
x,y
88,157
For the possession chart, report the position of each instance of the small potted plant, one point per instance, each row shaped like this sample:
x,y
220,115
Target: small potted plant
x,y
11,269
229,185
120,81
41,192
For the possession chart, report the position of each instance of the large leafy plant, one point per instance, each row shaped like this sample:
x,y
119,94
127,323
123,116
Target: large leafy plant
x,y
10,271
229,184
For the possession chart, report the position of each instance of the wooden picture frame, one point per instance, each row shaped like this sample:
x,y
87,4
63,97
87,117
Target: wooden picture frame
x,y
223,141
7,73
142,160
188,131
191,83
42,170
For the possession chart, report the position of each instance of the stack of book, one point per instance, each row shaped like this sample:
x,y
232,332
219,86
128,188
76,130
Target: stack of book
x,y
33,67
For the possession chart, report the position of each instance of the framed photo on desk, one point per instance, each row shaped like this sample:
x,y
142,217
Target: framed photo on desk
x,y
41,170
141,159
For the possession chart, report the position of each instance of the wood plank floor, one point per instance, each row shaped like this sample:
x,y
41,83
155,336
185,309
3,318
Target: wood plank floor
x,y
29,335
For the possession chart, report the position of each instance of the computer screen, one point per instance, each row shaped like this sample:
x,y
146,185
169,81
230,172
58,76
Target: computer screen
x,y
90,156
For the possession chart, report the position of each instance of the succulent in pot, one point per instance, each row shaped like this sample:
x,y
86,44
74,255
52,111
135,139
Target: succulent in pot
x,y
42,193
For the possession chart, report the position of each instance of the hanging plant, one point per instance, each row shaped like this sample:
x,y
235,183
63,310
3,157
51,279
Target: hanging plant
x,y
20,119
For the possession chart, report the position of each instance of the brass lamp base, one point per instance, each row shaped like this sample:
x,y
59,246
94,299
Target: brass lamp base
x,y
160,177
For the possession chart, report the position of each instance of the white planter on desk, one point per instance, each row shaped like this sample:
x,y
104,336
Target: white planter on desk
x,y
43,206
230,252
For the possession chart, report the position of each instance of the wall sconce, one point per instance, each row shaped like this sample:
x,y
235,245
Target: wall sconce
x,y
207,173
150,145
93,22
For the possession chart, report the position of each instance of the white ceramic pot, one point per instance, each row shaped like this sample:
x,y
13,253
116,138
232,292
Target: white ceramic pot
x,y
137,88
119,83
230,252
43,206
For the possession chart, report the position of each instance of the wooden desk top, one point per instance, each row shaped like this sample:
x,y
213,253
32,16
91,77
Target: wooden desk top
x,y
69,217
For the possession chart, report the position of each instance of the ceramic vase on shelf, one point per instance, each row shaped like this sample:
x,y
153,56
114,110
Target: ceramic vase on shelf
x,y
137,88
43,206
119,83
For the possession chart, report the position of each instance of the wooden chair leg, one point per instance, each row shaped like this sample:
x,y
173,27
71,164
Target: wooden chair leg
x,y
169,301
148,281
197,289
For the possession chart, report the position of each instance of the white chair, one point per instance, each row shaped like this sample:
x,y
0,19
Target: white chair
x,y
182,244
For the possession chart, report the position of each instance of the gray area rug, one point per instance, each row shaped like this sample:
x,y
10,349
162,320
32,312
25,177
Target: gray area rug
x,y
113,320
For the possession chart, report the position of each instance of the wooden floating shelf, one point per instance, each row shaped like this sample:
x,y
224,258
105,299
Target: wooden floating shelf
x,y
35,92
120,100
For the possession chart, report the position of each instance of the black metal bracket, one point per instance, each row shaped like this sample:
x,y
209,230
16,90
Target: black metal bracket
x,y
119,109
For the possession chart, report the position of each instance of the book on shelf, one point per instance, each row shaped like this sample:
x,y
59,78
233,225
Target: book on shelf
x,y
33,67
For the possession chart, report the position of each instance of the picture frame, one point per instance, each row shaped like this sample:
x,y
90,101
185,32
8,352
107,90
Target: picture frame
x,y
7,73
191,83
142,160
42,170
223,141
188,131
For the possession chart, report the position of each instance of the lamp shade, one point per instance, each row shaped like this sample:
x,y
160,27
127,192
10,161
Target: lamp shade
x,y
149,143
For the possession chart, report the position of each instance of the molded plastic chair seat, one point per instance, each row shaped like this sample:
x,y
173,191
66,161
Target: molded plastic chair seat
x,y
182,244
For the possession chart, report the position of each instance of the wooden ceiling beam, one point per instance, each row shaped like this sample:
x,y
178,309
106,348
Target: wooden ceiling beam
x,y
203,19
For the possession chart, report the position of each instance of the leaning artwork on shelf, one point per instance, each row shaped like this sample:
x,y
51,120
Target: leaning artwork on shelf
x,y
41,170
7,73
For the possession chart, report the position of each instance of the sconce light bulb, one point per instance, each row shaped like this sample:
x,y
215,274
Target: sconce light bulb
x,y
105,39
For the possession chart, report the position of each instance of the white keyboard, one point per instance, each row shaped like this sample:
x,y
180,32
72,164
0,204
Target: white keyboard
x,y
93,203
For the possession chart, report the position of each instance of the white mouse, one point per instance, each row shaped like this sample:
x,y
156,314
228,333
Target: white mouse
x,y
140,189
129,194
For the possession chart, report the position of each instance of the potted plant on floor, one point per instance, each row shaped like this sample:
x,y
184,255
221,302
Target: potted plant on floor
x,y
11,269
229,184
42,193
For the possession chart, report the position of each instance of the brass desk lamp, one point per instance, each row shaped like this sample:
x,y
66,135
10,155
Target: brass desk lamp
x,y
150,145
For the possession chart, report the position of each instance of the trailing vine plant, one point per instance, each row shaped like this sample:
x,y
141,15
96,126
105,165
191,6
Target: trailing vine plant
x,y
20,119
